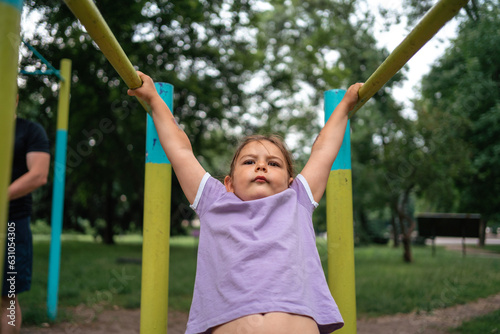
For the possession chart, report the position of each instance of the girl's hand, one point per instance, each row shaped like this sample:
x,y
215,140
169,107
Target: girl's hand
x,y
147,92
352,95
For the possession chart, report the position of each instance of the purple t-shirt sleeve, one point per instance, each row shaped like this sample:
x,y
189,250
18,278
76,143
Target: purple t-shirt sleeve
x,y
208,185
304,193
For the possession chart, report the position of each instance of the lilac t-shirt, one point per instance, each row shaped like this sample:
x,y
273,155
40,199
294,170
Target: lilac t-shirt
x,y
258,256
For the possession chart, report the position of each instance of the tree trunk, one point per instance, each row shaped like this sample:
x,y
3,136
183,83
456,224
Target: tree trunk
x,y
407,255
482,233
395,230
108,234
406,237
406,229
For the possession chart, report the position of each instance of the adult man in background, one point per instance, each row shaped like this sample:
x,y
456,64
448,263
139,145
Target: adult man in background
x,y
30,169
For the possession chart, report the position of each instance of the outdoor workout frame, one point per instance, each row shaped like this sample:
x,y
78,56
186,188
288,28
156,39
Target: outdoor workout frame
x,y
56,219
10,16
156,221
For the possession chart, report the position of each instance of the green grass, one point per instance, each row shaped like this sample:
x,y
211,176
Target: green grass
x,y
92,277
489,248
488,324
386,285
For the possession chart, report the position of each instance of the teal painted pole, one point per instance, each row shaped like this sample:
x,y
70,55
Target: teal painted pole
x,y
154,151
50,71
339,219
58,190
56,224
16,4
155,247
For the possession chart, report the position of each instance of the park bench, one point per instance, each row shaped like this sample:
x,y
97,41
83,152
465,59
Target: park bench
x,y
462,225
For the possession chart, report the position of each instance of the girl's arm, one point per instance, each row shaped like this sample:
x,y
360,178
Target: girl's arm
x,y
173,139
327,144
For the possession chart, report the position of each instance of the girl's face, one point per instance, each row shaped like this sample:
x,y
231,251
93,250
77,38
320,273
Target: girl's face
x,y
260,171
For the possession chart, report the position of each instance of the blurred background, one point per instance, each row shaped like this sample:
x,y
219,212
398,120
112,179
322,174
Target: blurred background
x,y
429,141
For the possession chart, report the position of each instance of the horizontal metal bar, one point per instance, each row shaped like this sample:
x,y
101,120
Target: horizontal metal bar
x,y
431,23
52,70
39,72
90,17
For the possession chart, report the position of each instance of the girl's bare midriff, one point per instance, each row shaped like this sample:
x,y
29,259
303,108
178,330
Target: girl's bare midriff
x,y
269,323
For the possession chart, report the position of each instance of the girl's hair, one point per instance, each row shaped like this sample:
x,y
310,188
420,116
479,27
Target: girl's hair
x,y
274,139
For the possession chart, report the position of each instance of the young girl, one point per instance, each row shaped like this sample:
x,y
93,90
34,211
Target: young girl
x,y
258,268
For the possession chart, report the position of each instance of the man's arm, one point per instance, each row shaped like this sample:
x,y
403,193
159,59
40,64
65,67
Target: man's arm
x,y
173,139
327,144
38,169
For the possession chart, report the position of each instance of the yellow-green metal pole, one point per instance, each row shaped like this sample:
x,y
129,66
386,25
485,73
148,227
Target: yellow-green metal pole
x,y
10,28
58,189
156,231
90,17
154,294
339,218
435,19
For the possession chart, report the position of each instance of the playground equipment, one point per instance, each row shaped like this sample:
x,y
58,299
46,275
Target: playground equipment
x,y
51,69
9,45
156,232
58,190
10,28
64,75
339,220
339,188
88,14
158,178
340,240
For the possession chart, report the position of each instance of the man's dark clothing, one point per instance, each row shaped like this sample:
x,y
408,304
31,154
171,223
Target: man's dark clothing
x,y
30,137
18,261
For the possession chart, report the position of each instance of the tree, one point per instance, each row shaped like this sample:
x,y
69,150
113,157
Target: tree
x,y
383,139
237,68
464,87
194,46
319,45
408,158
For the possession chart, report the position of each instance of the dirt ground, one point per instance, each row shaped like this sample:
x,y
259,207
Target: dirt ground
x,y
127,321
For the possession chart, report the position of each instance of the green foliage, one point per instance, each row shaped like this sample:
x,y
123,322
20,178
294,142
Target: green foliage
x,y
462,94
40,227
384,177
237,69
416,9
443,160
187,44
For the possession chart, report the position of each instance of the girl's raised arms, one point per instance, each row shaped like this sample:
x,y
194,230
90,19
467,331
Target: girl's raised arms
x,y
327,144
189,171
173,139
